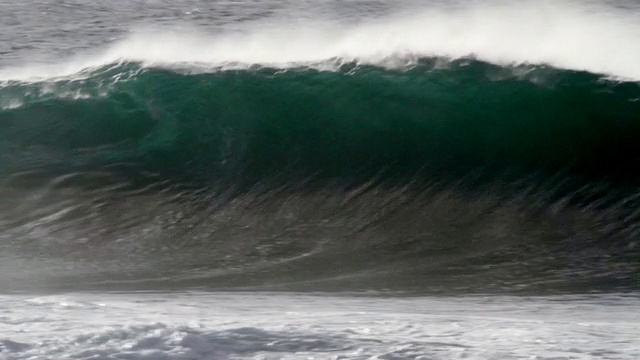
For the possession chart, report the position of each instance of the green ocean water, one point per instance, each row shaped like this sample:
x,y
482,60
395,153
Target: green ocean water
x,y
465,178
344,179
428,124
412,147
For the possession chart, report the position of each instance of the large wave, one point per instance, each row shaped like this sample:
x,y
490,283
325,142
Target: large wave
x,y
440,176
468,148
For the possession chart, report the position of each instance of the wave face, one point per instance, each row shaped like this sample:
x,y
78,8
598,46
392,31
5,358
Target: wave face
x,y
440,176
433,120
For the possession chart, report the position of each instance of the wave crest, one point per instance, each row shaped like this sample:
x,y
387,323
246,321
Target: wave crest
x,y
593,38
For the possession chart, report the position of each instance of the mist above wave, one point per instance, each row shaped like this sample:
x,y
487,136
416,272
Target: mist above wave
x,y
591,38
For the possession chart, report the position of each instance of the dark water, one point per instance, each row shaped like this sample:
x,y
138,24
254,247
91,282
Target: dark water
x,y
222,150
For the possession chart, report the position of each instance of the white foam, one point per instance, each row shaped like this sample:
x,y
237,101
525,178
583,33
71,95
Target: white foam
x,y
590,38
291,326
10,104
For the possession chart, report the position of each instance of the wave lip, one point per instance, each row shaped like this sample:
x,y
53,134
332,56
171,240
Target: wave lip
x,y
568,36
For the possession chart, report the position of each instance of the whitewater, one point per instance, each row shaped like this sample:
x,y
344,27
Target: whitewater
x,y
569,35
364,179
302,326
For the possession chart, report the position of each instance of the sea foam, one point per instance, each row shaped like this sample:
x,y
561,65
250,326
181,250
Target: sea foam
x,y
591,38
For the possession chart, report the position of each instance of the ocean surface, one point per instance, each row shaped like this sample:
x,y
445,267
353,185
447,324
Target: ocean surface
x,y
261,179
